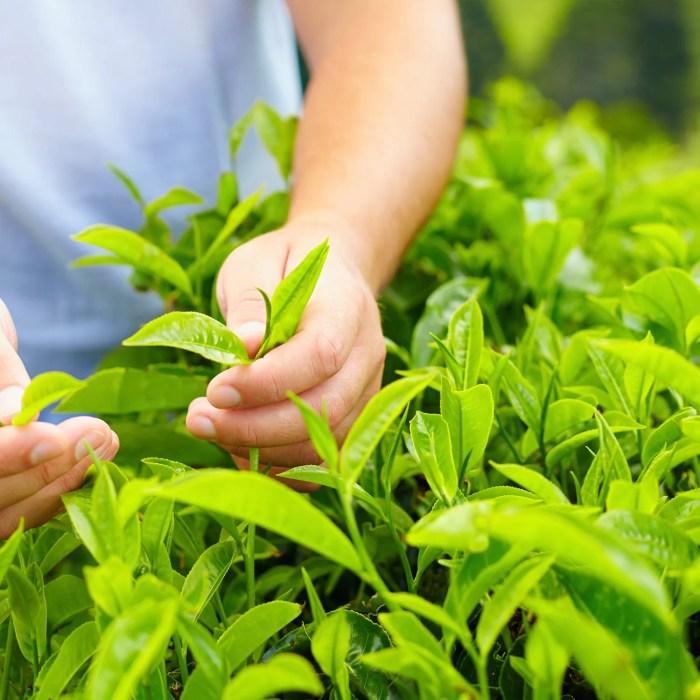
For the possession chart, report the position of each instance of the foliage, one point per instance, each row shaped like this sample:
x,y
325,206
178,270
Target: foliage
x,y
515,516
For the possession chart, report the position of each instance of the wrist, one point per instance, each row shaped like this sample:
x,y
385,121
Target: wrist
x,y
347,241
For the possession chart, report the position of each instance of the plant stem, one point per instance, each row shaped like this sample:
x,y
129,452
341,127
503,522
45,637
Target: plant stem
x,y
399,548
249,554
221,610
181,659
9,651
371,573
483,676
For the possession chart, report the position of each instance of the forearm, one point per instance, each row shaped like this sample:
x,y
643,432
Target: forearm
x,y
380,125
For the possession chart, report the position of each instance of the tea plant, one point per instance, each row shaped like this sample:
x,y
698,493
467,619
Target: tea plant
x,y
516,515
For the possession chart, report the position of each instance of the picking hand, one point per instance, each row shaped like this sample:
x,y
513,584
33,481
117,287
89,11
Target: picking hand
x,y
39,461
336,356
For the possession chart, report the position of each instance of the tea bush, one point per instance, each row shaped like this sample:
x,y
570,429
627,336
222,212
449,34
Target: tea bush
x,y
516,514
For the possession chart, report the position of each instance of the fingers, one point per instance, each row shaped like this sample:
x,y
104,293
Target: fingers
x,y
237,288
316,353
13,375
27,446
66,468
302,452
35,494
281,423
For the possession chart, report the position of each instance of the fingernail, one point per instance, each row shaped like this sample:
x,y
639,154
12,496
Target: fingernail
x,y
10,402
201,427
250,329
223,396
94,438
46,450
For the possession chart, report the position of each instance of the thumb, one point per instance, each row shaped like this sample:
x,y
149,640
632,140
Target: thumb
x,y
13,375
238,292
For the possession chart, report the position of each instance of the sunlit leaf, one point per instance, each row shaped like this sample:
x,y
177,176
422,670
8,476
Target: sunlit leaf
x,y
195,332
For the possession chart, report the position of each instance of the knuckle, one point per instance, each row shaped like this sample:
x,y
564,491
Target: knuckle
x,y
70,481
274,389
246,435
328,355
336,410
46,473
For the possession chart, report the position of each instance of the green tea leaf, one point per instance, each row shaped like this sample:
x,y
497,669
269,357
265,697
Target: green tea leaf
x,y
130,647
238,132
291,296
612,375
28,606
42,391
509,596
532,481
8,551
283,673
128,390
206,652
564,415
110,585
253,628
137,252
138,442
206,575
330,645
319,432
667,240
176,197
431,440
469,415
66,597
277,134
381,411
652,537
317,611
263,501
75,651
468,526
609,665
316,474
522,396
608,464
466,340
204,265
128,183
669,297
194,332
666,365
545,249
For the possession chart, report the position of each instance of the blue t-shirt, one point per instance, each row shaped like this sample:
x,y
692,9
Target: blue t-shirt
x,y
152,87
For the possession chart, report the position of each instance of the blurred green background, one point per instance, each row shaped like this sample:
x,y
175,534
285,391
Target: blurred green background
x,y
620,54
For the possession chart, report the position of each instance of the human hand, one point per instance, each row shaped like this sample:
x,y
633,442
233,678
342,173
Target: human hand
x,y
39,461
336,356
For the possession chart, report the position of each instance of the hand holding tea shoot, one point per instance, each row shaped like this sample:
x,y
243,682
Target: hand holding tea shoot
x,y
38,462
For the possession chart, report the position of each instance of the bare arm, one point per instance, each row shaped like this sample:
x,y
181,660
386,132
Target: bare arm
x,y
382,116
376,141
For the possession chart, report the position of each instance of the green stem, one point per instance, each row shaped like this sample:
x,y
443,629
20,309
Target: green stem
x,y
399,547
181,659
9,652
221,610
35,659
250,539
371,574
483,676
508,438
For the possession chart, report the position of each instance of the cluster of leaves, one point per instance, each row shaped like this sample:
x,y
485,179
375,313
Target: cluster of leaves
x,y
515,516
